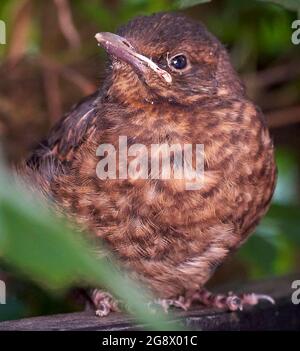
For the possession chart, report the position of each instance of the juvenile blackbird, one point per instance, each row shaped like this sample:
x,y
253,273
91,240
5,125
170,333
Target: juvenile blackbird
x,y
169,81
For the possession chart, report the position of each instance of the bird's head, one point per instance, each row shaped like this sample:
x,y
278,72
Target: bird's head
x,y
167,56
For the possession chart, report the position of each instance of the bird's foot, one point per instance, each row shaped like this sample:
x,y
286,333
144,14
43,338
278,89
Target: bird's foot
x,y
181,302
103,302
230,301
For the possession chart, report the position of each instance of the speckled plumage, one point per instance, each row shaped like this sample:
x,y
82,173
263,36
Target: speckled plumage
x,y
170,238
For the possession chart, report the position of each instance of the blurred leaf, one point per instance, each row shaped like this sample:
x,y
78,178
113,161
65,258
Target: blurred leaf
x,y
13,309
20,33
288,173
274,34
287,219
293,5
98,13
272,249
260,253
190,3
48,252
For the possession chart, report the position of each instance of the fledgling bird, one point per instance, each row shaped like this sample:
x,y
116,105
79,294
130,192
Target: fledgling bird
x,y
168,81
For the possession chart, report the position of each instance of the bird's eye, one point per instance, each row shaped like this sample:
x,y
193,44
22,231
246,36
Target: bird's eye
x,y
178,62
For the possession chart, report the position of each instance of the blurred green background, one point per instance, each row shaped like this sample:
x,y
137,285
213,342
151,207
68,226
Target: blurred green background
x,y
51,61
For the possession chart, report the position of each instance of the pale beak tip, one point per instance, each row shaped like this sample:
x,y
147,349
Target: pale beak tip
x,y
98,37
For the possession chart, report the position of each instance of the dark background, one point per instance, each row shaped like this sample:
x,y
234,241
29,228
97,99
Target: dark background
x,y
51,61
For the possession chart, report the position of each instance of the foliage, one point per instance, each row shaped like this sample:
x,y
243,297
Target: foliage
x,y
47,251
37,246
189,3
293,5
274,246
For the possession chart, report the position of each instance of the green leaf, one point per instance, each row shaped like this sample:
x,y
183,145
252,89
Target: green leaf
x,y
189,3
48,252
293,5
261,254
288,175
287,219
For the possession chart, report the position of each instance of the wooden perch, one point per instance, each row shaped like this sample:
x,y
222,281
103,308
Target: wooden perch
x,y
283,316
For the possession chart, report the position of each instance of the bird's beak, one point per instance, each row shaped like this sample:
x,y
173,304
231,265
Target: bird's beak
x,y
120,47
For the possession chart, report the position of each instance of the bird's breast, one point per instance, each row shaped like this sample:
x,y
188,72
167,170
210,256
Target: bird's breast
x,y
171,236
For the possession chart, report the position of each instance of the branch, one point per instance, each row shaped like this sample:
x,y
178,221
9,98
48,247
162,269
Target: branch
x,y
66,23
284,117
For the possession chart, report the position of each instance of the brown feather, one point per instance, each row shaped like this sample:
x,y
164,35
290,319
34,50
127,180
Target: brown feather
x,y
170,238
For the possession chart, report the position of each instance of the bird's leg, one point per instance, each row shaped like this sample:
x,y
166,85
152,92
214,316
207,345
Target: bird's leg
x,y
181,302
103,302
230,301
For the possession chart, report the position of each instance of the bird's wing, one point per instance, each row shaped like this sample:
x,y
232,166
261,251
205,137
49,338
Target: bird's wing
x,y
67,135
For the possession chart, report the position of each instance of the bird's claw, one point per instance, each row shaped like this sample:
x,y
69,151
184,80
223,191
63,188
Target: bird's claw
x,y
253,299
181,302
231,301
104,303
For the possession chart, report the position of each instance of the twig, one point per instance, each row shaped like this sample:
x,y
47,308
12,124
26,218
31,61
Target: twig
x,y
66,23
284,117
86,86
19,36
51,84
274,75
